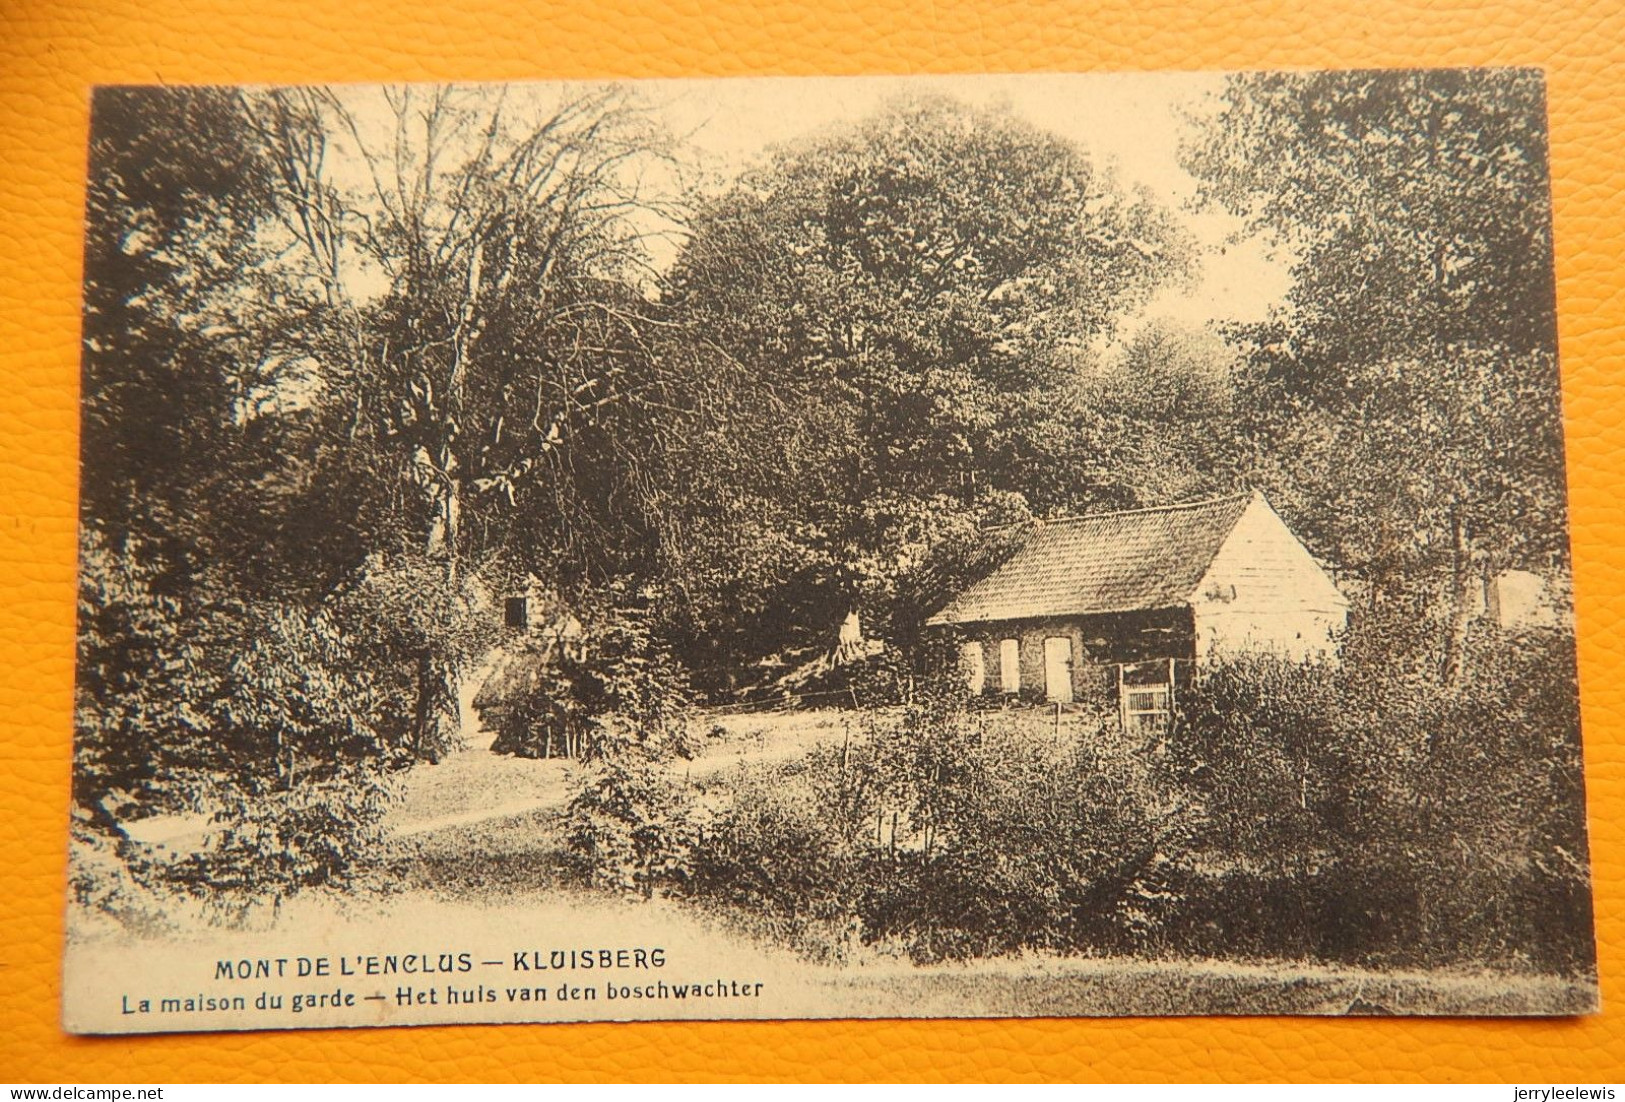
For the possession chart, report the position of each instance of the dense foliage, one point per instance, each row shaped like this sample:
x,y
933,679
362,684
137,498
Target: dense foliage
x,y
278,725
630,821
1303,810
358,362
1403,404
942,829
314,403
1372,815
912,300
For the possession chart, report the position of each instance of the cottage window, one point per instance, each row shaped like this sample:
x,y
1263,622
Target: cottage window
x,y
1010,666
515,613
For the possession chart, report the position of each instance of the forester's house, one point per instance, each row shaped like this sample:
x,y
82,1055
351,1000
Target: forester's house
x,y
1108,607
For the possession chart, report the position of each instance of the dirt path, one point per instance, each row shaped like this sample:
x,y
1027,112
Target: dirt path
x,y
473,785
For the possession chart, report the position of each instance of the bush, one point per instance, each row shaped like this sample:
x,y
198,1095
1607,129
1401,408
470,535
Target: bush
x,y
415,629
1384,818
630,822
1361,814
532,703
1258,738
949,831
321,832
791,857
276,720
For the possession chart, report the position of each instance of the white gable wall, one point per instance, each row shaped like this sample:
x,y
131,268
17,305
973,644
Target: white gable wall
x,y
1264,593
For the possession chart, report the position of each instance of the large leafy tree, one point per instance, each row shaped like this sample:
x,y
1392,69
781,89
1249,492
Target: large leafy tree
x,y
1416,205
177,189
1408,388
1174,393
913,297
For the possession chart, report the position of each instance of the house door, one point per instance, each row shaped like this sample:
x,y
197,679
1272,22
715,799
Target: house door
x,y
1058,669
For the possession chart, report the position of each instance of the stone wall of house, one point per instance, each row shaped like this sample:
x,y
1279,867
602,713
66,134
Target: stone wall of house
x,y
1097,644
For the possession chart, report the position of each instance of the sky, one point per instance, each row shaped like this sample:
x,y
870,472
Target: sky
x,y
1130,122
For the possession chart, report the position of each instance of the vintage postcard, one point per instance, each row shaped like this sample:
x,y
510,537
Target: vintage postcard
x,y
916,547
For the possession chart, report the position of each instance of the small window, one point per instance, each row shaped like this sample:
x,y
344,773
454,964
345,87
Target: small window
x,y
516,613
1010,666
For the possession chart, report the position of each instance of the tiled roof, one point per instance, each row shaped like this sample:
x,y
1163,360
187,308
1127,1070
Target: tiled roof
x,y
1111,562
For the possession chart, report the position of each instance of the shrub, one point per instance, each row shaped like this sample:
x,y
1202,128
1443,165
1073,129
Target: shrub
x,y
1257,737
416,629
274,719
1025,842
1386,818
788,857
265,845
532,705
950,831
1363,815
630,822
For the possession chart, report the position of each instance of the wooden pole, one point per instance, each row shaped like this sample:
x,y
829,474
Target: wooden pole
x,y
1173,682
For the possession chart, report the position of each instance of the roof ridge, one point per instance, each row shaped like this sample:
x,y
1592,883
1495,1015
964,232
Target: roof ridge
x,y
1041,522
1177,506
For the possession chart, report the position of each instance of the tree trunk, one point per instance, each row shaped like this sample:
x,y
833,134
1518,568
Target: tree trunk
x,y
849,645
446,523
420,715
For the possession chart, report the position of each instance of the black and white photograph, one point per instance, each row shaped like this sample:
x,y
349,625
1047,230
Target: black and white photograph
x,y
909,547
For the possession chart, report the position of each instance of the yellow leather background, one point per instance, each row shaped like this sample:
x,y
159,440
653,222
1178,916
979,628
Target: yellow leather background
x,y
51,51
